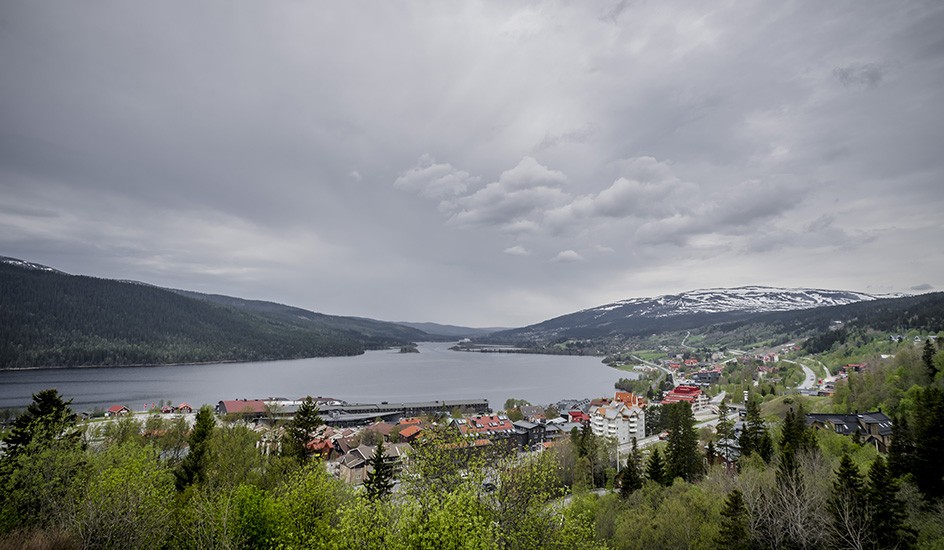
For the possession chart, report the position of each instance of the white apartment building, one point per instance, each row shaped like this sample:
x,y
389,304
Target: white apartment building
x,y
619,421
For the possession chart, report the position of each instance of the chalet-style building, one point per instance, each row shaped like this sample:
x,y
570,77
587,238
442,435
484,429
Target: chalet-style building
x,y
117,410
874,428
529,434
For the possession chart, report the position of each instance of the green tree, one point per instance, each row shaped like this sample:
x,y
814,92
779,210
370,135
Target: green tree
x,y
193,467
928,422
734,533
886,510
127,502
655,469
46,420
848,507
682,456
379,480
754,437
299,430
41,465
901,453
631,478
927,357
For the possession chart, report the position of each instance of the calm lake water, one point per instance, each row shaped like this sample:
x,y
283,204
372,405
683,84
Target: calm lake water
x,y
433,374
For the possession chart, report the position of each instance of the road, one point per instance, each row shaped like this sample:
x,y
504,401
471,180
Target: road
x,y
810,379
667,371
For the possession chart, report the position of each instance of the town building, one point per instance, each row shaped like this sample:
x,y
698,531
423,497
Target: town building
x,y
874,428
618,421
355,465
690,394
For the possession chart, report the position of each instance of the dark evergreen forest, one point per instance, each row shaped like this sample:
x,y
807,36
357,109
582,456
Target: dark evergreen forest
x,y
49,318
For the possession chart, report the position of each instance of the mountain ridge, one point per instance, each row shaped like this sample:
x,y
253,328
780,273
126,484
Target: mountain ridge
x,y
50,318
683,311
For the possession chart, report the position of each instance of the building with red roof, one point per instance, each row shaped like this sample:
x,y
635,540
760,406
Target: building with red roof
x,y
488,425
245,407
117,410
689,394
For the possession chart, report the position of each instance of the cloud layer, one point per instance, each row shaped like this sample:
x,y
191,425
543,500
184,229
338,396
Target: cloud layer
x,y
487,163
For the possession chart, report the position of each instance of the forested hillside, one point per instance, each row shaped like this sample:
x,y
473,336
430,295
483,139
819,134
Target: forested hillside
x,y
49,318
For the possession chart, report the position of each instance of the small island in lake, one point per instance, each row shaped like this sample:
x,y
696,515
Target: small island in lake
x,y
410,348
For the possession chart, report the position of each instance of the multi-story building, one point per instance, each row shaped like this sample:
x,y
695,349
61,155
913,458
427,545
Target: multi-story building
x,y
619,421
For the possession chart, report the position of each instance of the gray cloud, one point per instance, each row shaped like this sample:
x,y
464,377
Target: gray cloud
x,y
868,75
322,155
922,287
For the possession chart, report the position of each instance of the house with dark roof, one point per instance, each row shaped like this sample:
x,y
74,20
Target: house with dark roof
x,y
532,413
355,465
875,428
529,434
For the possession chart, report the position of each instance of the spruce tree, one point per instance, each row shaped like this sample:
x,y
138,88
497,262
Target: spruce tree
x,y
299,429
928,357
631,479
46,420
887,511
734,533
682,456
848,507
928,417
901,453
379,482
192,468
754,437
655,469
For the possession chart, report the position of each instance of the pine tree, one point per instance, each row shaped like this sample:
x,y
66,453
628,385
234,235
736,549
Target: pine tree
x,y
901,453
887,511
734,534
631,479
655,469
848,507
46,420
379,482
192,468
299,429
682,456
928,417
928,357
754,437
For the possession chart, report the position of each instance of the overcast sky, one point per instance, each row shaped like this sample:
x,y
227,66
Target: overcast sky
x,y
479,163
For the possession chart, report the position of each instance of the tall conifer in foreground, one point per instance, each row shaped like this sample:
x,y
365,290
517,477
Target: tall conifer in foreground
x,y
734,534
379,482
886,510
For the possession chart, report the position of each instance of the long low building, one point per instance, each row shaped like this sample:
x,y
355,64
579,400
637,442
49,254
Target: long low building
x,y
352,412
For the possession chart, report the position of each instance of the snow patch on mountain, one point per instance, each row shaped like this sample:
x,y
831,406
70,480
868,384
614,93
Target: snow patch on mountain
x,y
26,265
754,299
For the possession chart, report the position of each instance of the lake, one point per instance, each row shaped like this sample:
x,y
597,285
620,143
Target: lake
x,y
436,373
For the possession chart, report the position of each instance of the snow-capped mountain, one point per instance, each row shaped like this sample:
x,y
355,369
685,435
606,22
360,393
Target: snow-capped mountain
x,y
753,299
687,310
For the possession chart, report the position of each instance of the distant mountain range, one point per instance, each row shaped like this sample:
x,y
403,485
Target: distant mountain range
x,y
686,311
451,331
50,318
